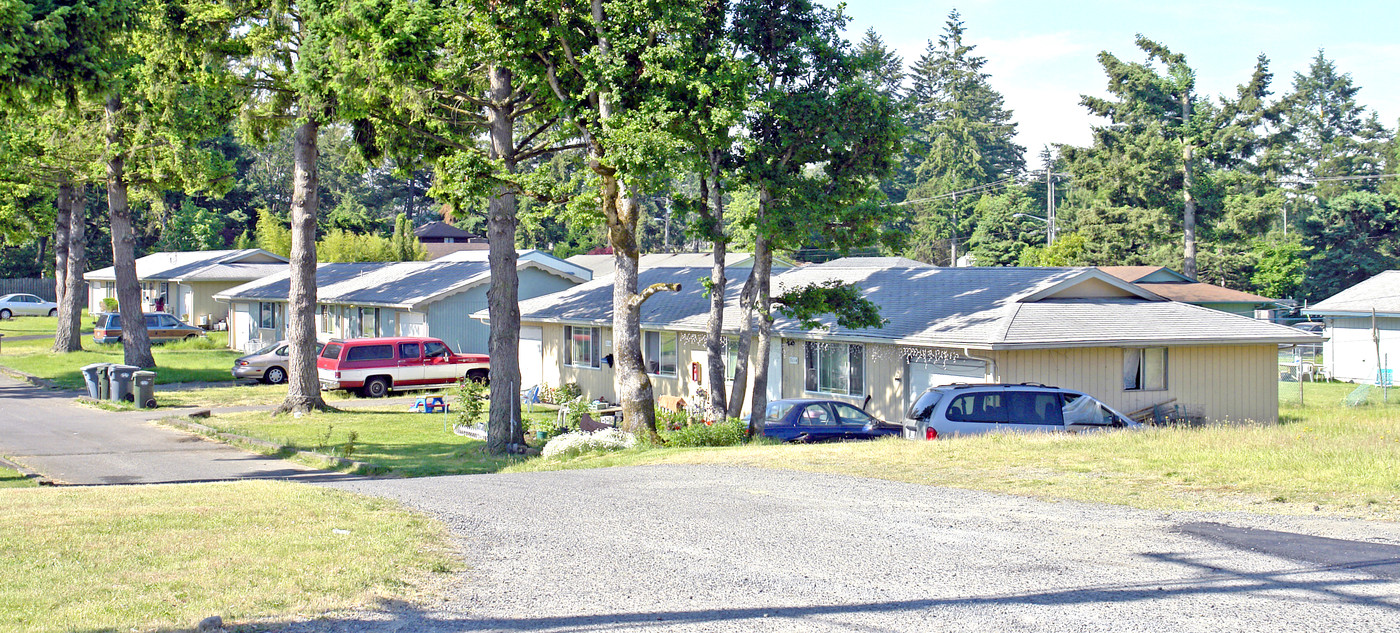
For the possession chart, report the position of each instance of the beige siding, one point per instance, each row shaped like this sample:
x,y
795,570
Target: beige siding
x,y
1222,383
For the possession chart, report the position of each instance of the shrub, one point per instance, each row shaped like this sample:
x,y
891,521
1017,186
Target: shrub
x,y
727,433
567,392
471,401
576,443
109,304
667,420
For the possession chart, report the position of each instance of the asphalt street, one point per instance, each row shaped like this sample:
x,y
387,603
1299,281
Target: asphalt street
x,y
45,431
692,548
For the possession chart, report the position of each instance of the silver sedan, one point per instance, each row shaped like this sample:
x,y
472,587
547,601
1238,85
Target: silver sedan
x,y
19,304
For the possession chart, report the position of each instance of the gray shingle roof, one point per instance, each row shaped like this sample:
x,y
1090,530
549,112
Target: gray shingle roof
x,y
979,307
1381,292
279,285
193,265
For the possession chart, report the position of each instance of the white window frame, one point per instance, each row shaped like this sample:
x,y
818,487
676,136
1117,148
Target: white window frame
x,y
812,378
372,313
658,355
269,308
595,338
1145,369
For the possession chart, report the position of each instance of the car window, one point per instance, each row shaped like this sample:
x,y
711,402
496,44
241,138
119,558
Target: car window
x,y
152,321
816,415
433,349
28,299
409,351
1035,407
777,411
105,321
282,351
169,321
978,407
1081,409
924,405
331,351
851,416
370,352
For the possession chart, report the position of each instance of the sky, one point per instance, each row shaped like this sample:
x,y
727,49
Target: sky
x,y
1043,55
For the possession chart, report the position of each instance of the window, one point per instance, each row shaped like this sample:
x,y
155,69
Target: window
x,y
776,412
331,351
370,352
660,353
581,346
731,357
327,319
1145,369
1083,410
409,351
816,415
922,407
267,315
978,407
1035,407
851,416
166,320
434,349
369,322
835,368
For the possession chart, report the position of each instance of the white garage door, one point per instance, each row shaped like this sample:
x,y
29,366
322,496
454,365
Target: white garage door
x,y
925,375
531,356
412,324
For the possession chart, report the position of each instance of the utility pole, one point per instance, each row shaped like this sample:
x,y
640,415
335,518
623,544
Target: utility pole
x,y
1049,207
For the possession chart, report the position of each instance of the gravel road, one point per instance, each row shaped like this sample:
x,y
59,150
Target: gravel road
x,y
679,548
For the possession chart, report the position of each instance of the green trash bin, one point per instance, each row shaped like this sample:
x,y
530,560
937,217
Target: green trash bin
x,y
92,375
121,376
104,381
144,389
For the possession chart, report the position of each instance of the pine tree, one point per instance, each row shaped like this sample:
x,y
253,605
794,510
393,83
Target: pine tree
x,y
1331,134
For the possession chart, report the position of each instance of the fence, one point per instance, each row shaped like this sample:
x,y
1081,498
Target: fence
x,y
44,288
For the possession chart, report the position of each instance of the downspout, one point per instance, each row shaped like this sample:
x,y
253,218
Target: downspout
x,y
991,362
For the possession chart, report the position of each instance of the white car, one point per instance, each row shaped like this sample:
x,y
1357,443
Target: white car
x,y
17,304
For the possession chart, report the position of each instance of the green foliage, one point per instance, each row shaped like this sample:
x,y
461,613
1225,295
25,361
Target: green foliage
x,y
1279,269
340,246
1351,238
730,432
1068,250
404,243
1001,236
807,303
109,304
192,228
470,402
273,234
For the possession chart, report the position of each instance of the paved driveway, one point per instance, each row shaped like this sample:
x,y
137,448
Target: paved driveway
x,y
43,430
681,548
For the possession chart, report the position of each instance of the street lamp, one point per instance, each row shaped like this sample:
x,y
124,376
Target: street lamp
x,y
1050,226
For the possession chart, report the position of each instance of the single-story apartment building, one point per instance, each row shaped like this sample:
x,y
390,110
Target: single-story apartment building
x,y
1175,286
432,298
1353,320
185,283
603,264
1078,328
439,238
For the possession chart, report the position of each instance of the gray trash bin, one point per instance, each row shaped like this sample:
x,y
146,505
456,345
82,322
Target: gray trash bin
x,y
104,378
144,389
121,382
92,375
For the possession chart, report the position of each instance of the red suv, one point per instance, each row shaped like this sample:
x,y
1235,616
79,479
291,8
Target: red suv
x,y
376,366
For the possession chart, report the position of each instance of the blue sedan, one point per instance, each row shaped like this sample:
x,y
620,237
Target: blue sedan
x,y
810,420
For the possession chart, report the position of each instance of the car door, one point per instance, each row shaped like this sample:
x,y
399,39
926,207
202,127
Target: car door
x,y
1034,410
778,423
410,365
855,424
154,330
816,423
437,365
32,306
972,413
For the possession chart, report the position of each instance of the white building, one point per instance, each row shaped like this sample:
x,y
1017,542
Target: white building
x,y
1350,351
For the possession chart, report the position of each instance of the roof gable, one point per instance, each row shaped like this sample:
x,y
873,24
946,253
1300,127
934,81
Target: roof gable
x,y
1380,293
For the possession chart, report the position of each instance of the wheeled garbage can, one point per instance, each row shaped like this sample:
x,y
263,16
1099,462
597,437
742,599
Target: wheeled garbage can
x,y
92,375
104,381
144,388
121,376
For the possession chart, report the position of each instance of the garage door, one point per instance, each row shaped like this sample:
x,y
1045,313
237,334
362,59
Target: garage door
x,y
412,324
925,375
531,357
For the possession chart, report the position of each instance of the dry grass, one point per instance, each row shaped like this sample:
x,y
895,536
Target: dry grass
x,y
1323,457
157,557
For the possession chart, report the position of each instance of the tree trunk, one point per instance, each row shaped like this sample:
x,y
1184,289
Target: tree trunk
x,y
1188,220
739,391
629,372
762,272
136,342
303,388
68,337
503,297
714,326
63,202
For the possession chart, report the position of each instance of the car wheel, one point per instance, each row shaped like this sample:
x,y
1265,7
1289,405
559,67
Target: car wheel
x,y
53,312
479,375
275,376
191,336
376,388
5,314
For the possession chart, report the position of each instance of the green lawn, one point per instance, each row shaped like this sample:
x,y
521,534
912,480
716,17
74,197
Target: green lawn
x,y
32,325
10,478
407,444
245,394
1322,457
164,557
197,360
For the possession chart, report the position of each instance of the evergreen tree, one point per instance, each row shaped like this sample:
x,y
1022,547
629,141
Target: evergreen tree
x,y
1332,135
